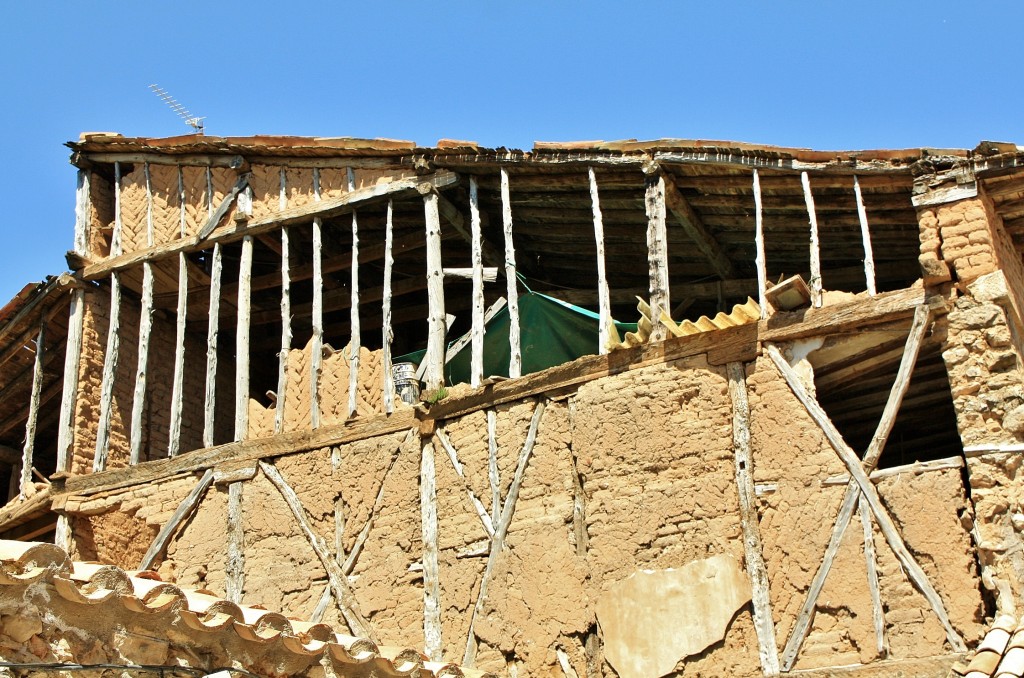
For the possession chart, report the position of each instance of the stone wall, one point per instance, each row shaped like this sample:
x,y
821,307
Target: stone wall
x,y
630,473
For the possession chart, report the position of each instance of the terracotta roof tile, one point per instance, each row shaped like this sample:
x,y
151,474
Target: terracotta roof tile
x,y
1001,652
24,563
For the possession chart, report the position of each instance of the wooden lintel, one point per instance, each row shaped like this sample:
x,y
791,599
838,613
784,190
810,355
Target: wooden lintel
x,y
697,231
304,214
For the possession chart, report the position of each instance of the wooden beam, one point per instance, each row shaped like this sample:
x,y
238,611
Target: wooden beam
x,y
242,343
83,208
492,464
339,582
914,469
764,624
185,509
476,362
871,562
501,529
234,564
189,159
141,372
869,257
354,339
110,356
431,576
229,233
759,261
659,297
434,358
178,384
515,368
317,319
815,253
28,451
210,399
222,209
286,329
69,395
604,305
389,261
698,232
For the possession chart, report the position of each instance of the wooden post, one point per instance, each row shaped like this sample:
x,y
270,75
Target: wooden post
x,y
339,582
234,566
434,358
865,234
69,395
210,401
492,463
815,254
242,342
109,371
501,529
764,625
657,255
177,388
877,613
389,262
604,304
431,577
515,361
476,369
317,343
25,488
82,209
354,340
286,328
145,330
759,261
185,509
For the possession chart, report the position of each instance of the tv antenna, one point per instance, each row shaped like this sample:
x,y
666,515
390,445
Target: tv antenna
x,y
193,121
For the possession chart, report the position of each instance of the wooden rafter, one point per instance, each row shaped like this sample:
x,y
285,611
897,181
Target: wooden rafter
x,y
697,231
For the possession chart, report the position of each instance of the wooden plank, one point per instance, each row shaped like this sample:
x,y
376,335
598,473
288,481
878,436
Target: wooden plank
x,y
178,384
815,253
242,343
222,209
695,229
145,330
354,338
764,624
185,509
515,366
69,391
294,216
657,255
913,469
877,612
28,451
110,356
476,362
870,495
604,304
286,329
434,358
212,328
431,576
501,529
234,565
339,582
317,342
865,232
759,260
386,330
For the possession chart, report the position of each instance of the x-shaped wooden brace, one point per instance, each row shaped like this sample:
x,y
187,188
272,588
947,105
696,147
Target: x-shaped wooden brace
x,y
861,489
496,529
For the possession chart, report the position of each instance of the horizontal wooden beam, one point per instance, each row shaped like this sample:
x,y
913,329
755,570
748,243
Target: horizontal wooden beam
x,y
913,469
232,232
190,159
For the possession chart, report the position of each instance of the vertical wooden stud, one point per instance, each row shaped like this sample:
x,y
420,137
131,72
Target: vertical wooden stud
x,y
476,370
242,342
354,340
145,330
113,338
317,345
82,209
212,329
431,577
28,450
865,233
657,255
434,374
234,567
515,361
69,394
762,275
286,332
815,253
389,262
604,304
177,387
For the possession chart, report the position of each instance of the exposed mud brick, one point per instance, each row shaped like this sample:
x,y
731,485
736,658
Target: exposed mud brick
x,y
133,208
101,214
166,203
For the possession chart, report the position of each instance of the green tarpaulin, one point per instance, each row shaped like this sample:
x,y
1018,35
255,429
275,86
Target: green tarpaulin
x,y
552,332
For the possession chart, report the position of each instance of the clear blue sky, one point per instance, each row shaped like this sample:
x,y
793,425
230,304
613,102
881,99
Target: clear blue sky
x,y
827,75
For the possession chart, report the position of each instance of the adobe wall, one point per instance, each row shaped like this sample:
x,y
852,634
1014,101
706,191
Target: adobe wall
x,y
983,356
630,474
202,193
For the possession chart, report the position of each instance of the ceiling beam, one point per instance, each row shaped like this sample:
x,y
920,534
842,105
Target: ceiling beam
x,y
698,232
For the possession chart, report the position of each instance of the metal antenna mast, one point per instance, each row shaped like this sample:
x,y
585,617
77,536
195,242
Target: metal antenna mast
x,y
195,122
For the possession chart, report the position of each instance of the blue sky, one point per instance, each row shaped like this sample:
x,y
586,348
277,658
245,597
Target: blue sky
x,y
827,75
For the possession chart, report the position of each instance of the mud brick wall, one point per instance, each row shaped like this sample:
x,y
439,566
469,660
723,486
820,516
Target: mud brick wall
x,y
159,381
956,237
631,472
